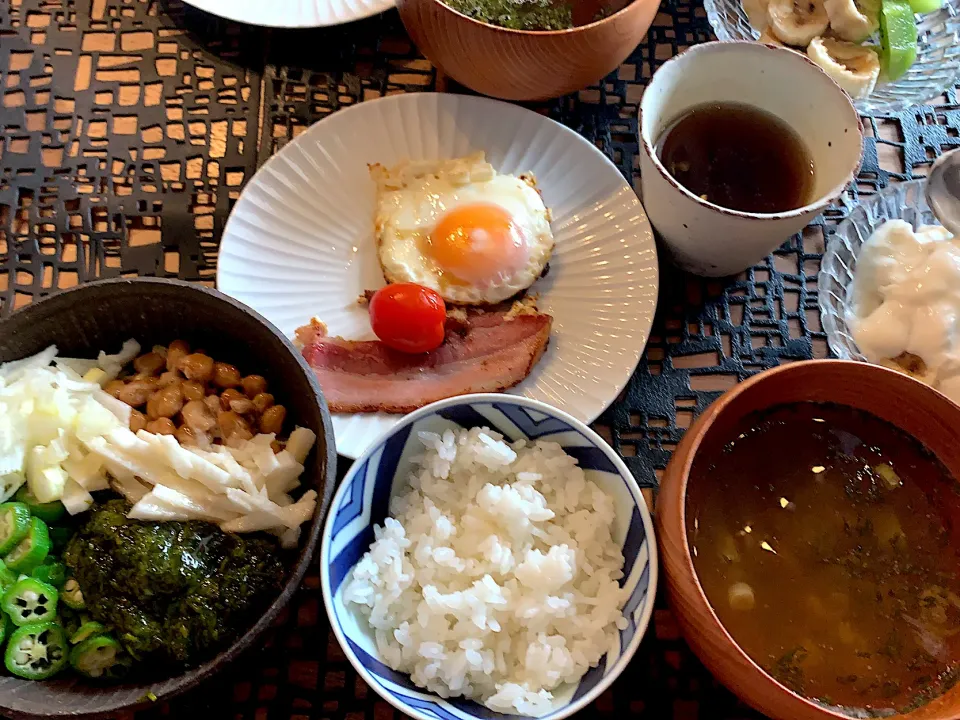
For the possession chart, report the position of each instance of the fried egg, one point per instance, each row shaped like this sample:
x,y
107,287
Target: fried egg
x,y
458,227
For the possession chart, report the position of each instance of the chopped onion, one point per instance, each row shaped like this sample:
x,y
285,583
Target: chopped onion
x,y
10,483
112,365
13,371
46,412
65,437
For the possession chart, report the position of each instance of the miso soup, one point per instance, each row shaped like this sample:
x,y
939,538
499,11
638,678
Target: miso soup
x,y
822,537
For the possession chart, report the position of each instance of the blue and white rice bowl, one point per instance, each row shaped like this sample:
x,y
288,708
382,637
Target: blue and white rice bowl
x,y
363,498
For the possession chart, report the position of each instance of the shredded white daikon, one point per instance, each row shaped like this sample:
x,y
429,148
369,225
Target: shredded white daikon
x,y
63,436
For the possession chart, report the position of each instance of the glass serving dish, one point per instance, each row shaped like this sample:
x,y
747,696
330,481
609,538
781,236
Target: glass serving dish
x,y
905,201
936,69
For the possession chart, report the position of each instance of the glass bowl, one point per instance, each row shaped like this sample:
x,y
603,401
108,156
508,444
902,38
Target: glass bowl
x,y
938,55
904,201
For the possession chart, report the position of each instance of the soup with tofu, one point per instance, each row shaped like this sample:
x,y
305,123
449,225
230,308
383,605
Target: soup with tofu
x,y
821,538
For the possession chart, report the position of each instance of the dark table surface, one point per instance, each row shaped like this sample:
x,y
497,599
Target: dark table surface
x,y
127,131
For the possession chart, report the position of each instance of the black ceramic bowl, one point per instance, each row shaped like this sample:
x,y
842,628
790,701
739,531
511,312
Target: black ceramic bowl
x,y
100,316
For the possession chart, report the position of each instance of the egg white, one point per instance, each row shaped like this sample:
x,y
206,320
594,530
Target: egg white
x,y
411,201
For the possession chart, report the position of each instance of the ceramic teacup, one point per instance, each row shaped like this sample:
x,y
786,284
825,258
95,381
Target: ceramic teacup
x,y
707,239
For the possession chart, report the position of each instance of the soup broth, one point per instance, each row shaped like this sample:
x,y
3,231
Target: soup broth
x,y
821,538
534,15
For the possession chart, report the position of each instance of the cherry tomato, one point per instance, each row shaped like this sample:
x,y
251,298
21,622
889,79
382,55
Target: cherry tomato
x,y
408,317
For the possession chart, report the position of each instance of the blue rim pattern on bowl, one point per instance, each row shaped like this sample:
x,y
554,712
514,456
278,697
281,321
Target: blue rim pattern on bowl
x,y
363,500
904,201
936,69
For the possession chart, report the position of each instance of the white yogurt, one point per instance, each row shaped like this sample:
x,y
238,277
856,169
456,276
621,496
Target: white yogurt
x,y
906,299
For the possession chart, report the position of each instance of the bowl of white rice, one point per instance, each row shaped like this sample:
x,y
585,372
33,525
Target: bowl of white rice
x,y
489,557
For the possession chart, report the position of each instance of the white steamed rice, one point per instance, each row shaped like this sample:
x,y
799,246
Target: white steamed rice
x,y
495,577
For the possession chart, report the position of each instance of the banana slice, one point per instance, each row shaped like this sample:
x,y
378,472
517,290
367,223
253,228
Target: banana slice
x,y
769,38
854,68
853,20
756,11
797,22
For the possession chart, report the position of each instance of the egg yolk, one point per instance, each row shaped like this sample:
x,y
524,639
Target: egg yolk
x,y
478,244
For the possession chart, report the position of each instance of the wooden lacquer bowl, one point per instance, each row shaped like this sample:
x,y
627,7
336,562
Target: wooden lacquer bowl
x,y
522,65
898,399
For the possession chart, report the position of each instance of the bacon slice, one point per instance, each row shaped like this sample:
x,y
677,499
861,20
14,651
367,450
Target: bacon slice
x,y
489,351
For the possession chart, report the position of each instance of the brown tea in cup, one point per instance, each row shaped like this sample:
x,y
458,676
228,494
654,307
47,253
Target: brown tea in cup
x,y
738,157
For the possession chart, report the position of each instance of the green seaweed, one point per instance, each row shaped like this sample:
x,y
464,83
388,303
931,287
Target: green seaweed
x,y
788,668
174,592
517,14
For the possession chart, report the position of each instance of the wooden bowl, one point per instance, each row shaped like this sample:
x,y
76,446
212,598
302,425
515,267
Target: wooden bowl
x,y
102,315
519,64
891,396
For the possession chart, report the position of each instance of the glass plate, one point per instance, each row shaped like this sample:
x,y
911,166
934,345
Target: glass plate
x,y
905,201
936,69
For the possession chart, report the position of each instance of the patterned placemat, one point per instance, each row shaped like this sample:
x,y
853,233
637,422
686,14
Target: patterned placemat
x,y
127,130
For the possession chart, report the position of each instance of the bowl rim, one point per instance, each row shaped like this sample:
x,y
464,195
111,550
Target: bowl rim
x,y
189,679
696,438
715,46
648,527
537,33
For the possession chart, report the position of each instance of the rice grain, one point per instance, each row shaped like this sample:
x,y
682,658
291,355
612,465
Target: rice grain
x,y
496,576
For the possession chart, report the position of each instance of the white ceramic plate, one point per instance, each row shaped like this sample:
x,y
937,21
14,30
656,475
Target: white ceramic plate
x,y
293,13
300,240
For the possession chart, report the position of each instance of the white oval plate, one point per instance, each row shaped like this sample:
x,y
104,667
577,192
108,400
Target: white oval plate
x,y
293,13
300,240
